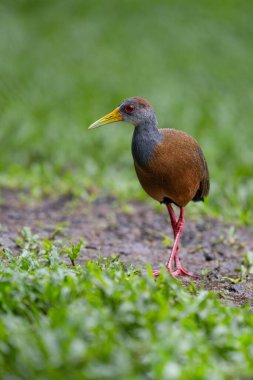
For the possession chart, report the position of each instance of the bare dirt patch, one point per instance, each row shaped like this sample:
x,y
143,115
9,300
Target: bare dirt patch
x,y
136,233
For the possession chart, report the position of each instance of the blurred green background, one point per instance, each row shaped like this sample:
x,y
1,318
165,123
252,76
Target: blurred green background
x,y
63,64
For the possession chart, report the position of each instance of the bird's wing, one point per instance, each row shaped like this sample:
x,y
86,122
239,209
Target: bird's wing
x,y
204,185
183,158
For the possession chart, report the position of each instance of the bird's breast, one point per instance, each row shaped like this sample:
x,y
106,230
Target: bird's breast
x,y
144,143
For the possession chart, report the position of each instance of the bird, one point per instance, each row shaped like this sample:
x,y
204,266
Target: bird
x,y
170,166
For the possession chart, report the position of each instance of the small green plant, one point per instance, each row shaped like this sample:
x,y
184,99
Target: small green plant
x,y
6,253
74,250
58,229
247,266
167,241
27,240
248,261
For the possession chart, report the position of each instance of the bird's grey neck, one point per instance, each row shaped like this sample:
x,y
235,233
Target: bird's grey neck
x,y
145,138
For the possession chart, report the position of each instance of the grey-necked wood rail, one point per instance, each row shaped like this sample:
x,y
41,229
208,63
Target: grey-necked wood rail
x,y
169,164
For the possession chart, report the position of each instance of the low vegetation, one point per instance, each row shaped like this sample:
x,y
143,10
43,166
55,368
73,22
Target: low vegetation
x,y
106,321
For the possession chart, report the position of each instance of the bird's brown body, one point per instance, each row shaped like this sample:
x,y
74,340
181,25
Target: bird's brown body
x,y
170,166
177,171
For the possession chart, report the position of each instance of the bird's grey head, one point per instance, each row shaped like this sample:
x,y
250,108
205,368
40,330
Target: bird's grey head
x,y
135,110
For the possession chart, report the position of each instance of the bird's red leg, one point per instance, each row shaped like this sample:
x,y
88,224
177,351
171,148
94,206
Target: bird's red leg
x,y
173,219
177,226
173,257
174,224
175,250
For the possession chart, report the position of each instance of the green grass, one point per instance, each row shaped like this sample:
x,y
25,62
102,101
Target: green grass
x,y
64,64
106,321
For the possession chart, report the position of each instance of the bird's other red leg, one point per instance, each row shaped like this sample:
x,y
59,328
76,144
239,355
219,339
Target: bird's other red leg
x,y
173,218
173,256
174,223
175,249
177,226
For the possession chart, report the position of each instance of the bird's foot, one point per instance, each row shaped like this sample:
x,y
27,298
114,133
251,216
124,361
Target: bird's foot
x,y
178,272
156,272
182,272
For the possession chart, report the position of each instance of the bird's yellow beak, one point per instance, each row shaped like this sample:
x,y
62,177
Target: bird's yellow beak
x,y
111,117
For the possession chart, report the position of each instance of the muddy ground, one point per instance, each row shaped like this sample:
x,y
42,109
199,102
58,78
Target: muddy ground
x,y
136,233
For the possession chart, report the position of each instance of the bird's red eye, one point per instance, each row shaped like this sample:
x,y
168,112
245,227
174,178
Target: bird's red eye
x,y
129,108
